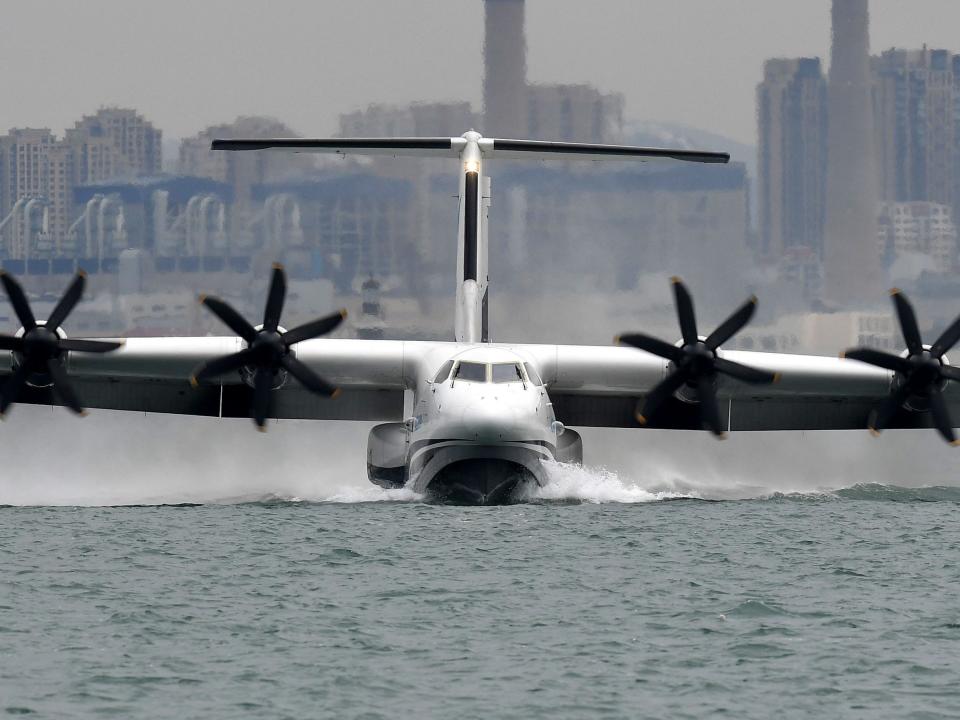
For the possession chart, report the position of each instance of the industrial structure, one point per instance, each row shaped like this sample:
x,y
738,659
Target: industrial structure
x,y
39,213
852,267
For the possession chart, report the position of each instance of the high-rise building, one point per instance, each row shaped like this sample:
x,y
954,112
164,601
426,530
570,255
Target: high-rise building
x,y
916,113
920,229
60,184
115,142
792,156
575,113
417,119
851,262
24,188
955,200
24,164
241,170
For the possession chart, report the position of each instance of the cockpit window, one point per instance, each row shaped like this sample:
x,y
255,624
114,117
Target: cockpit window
x,y
471,372
507,373
533,374
444,372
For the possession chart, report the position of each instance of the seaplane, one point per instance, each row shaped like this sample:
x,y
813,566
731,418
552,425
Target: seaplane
x,y
470,420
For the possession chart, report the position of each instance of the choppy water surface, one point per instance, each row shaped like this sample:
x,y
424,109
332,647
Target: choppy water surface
x,y
596,599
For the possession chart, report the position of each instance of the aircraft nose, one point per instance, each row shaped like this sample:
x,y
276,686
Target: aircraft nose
x,y
491,422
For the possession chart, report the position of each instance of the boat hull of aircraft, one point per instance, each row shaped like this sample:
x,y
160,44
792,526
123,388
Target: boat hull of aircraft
x,y
482,474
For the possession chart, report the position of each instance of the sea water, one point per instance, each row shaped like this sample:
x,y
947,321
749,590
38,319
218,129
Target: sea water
x,y
600,596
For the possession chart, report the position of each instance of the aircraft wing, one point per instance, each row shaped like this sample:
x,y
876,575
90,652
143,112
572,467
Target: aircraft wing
x,y
153,375
590,386
597,386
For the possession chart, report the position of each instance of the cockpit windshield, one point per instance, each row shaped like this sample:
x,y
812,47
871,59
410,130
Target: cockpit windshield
x,y
533,375
471,372
444,372
507,373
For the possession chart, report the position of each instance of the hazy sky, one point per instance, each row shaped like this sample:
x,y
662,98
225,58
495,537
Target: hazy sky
x,y
190,63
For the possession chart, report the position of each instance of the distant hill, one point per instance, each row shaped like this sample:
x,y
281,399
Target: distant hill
x,y
689,138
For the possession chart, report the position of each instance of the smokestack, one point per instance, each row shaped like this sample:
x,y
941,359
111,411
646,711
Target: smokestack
x,y
505,70
852,261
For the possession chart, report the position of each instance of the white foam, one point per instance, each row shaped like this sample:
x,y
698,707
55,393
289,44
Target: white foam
x,y
371,493
128,459
347,493
597,485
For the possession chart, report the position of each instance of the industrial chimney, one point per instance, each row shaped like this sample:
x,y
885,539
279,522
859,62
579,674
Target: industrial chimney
x,y
505,70
852,260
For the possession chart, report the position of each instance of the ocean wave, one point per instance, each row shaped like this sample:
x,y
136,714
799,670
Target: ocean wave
x,y
576,483
896,493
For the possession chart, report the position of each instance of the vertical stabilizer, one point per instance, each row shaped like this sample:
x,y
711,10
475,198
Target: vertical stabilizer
x,y
470,323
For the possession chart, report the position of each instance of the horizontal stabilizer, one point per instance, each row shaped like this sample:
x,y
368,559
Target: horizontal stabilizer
x,y
489,148
417,147
519,149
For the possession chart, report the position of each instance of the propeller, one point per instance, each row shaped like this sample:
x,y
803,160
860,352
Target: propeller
x,y
39,350
268,350
921,375
695,362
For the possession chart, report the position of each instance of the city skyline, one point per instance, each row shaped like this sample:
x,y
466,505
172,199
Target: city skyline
x,y
297,73
345,221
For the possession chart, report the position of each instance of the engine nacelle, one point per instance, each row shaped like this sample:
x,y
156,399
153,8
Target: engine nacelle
x,y
38,379
249,374
387,447
569,447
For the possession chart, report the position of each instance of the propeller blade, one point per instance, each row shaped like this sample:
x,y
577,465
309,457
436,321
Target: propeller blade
x,y
307,377
950,372
908,322
880,359
11,343
90,346
230,317
941,416
275,297
62,386
744,373
262,385
947,340
685,313
223,365
733,324
314,329
68,302
881,418
18,300
11,388
709,407
660,393
652,345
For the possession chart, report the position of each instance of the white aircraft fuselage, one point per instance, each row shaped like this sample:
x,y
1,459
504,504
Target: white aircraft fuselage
x,y
482,425
482,420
